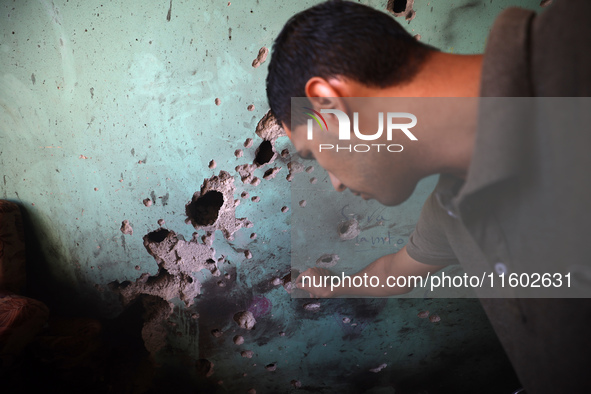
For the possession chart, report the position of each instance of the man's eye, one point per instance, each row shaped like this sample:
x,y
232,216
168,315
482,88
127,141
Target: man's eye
x,y
305,155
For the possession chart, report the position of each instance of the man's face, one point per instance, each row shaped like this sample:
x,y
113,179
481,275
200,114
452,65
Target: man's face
x,y
381,176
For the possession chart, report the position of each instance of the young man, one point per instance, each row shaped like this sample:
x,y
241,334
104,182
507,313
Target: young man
x,y
510,197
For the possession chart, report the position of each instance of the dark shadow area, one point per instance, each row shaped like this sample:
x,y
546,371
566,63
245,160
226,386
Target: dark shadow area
x,y
264,153
204,210
158,235
396,6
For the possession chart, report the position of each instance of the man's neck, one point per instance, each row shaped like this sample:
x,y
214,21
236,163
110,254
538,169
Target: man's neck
x,y
449,150
443,75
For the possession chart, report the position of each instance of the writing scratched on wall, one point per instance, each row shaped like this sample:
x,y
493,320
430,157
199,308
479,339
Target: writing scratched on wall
x,y
375,218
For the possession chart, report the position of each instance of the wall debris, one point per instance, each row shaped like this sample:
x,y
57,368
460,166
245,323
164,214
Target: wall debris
x,y
126,228
245,319
261,57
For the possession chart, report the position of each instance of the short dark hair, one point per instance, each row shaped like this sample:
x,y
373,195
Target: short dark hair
x,y
339,38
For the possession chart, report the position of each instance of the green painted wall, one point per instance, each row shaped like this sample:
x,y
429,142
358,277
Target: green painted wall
x,y
106,103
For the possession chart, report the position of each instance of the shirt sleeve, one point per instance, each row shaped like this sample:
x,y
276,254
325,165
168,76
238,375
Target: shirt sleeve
x,y
428,243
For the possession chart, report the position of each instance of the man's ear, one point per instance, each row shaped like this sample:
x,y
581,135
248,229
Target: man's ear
x,y
326,94
320,87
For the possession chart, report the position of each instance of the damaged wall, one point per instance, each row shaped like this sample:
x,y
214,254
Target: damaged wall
x,y
126,127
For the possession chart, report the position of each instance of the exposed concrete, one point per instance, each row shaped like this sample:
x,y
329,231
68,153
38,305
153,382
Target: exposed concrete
x,y
312,306
271,173
177,261
269,129
154,331
216,211
434,318
162,285
245,319
327,260
178,256
348,229
126,228
261,57
378,368
246,172
398,8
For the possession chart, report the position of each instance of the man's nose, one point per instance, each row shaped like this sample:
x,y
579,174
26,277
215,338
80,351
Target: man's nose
x,y
338,186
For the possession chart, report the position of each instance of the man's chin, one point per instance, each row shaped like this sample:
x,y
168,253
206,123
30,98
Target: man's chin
x,y
390,201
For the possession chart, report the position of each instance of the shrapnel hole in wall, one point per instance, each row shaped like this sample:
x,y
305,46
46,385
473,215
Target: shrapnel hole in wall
x,y
204,210
264,153
396,6
158,235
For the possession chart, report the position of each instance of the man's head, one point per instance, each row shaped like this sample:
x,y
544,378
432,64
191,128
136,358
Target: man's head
x,y
339,39
340,49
